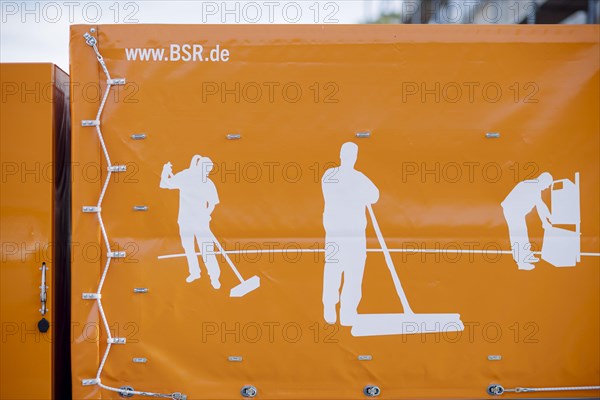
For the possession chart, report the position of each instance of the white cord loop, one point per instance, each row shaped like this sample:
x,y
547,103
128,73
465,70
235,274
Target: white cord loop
x,y
92,41
498,390
552,389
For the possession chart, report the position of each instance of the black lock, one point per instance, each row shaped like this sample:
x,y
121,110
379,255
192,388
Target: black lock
x,y
43,325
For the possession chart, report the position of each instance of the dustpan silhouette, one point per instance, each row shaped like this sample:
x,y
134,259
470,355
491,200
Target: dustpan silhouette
x,y
408,322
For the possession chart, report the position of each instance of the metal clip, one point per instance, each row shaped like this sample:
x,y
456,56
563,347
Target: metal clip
x,y
115,254
371,391
494,358
116,340
91,296
249,391
126,391
234,136
89,39
235,358
90,209
492,135
363,135
117,168
140,360
495,390
138,136
140,290
116,81
90,122
365,357
140,208
90,382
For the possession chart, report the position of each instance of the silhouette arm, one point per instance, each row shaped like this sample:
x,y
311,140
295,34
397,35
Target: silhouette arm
x,y
543,212
371,191
167,179
213,199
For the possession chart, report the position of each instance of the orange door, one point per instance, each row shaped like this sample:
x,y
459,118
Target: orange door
x,y
27,136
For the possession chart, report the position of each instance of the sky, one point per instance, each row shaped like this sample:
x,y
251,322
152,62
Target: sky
x,y
38,31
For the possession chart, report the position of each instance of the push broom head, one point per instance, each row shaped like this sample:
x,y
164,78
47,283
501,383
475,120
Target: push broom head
x,y
245,287
405,324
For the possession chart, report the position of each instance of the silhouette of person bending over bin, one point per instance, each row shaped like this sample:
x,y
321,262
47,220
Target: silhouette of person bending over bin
x,y
526,196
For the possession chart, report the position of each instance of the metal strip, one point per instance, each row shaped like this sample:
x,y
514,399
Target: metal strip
x,y
117,168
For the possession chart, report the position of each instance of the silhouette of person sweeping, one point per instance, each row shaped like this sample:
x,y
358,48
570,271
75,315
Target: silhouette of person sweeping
x,y
346,192
526,196
197,200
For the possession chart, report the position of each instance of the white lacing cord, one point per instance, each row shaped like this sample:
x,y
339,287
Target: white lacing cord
x,y
552,389
124,391
497,390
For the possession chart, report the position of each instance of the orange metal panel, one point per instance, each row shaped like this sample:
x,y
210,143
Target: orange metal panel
x,y
27,132
428,95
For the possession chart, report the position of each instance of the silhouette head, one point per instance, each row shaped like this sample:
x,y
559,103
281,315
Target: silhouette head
x,y
545,180
195,163
348,154
206,165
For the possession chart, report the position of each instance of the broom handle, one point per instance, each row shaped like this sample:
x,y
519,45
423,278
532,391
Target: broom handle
x,y
390,263
235,271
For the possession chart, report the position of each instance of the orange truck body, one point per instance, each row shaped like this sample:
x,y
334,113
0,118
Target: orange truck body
x,y
35,182
295,95
448,121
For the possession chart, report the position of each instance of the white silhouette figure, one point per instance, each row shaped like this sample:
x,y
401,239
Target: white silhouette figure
x,y
347,193
526,196
197,200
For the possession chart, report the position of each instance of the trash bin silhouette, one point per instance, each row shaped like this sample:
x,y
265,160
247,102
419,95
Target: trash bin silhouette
x,y
562,247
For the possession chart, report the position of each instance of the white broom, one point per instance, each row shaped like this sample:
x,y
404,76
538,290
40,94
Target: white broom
x,y
245,286
407,322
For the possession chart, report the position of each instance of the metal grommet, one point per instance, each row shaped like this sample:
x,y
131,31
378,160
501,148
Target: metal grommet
x,y
125,391
371,391
249,391
495,390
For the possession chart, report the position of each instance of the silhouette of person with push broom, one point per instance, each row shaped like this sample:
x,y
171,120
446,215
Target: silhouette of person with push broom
x,y
197,200
347,193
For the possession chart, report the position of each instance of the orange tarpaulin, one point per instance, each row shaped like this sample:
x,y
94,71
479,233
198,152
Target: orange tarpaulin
x,y
447,122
